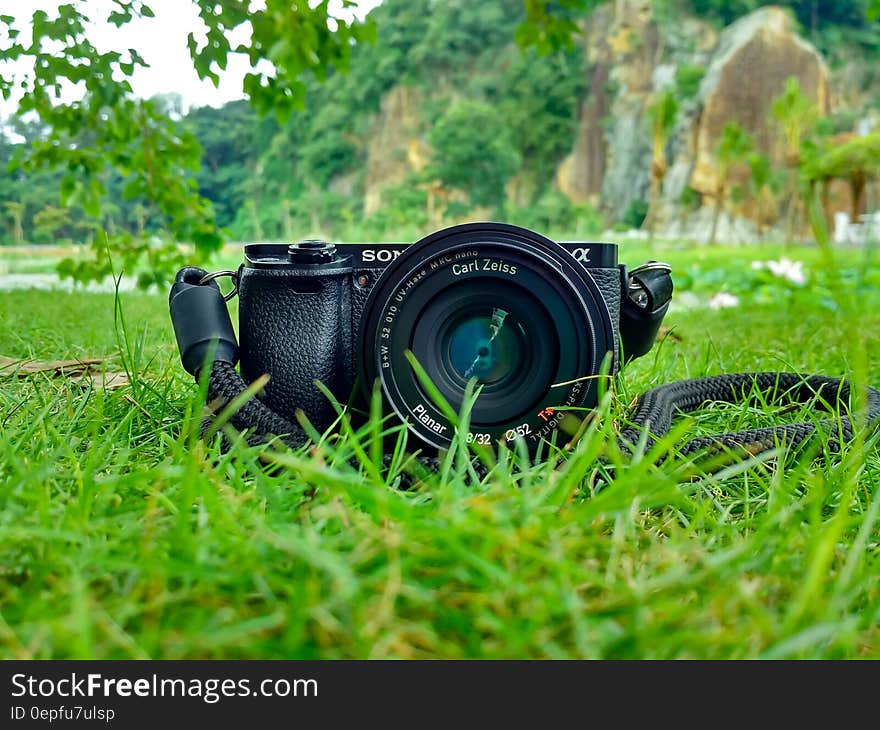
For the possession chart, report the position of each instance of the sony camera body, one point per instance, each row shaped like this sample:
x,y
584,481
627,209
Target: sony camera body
x,y
532,324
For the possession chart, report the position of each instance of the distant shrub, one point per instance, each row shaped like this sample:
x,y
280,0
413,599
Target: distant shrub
x,y
403,213
689,198
555,212
687,80
635,214
588,221
551,210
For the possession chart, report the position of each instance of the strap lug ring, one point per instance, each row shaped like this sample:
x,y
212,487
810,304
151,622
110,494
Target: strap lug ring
x,y
217,275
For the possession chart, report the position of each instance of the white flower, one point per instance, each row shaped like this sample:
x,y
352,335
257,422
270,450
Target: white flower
x,y
788,269
723,300
757,265
687,300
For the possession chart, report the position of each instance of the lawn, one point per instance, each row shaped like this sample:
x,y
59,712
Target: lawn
x,y
122,535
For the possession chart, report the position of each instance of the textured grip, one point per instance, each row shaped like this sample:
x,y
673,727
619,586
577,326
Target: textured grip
x,y
297,329
608,281
364,280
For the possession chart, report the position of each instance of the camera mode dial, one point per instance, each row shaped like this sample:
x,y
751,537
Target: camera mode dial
x,y
311,252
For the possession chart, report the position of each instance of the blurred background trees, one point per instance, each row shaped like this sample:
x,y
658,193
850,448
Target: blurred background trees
x,y
428,113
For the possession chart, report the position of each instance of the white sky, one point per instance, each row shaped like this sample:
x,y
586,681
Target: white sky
x,y
160,40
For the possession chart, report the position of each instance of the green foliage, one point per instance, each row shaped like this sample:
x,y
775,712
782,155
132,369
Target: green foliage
x,y
423,47
663,113
13,215
295,38
404,211
831,25
537,97
229,138
472,152
796,115
552,24
108,132
266,177
689,198
148,175
734,145
841,121
478,27
635,214
762,175
812,14
799,120
857,157
554,212
687,80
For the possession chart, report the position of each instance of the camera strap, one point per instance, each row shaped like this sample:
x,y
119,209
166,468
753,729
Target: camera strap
x,y
204,330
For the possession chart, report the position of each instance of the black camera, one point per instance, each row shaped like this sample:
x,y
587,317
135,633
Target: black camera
x,y
532,323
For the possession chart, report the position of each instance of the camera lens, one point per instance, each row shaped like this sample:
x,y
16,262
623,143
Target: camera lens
x,y
492,304
481,347
495,332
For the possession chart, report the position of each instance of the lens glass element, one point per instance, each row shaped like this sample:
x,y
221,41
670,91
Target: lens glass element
x,y
488,346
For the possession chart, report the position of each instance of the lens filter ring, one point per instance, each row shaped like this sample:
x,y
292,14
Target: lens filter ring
x,y
531,317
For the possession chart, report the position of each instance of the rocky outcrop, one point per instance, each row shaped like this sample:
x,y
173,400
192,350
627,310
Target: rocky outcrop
x,y
633,55
755,57
610,160
395,147
580,175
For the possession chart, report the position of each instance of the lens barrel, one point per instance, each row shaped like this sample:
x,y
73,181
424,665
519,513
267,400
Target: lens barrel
x,y
495,304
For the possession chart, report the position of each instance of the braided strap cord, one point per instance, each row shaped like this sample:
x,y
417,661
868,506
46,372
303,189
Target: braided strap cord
x,y
225,384
657,407
262,423
654,412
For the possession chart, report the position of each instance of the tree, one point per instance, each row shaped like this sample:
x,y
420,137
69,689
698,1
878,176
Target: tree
x,y
477,25
814,15
763,187
230,140
733,147
472,152
662,114
796,116
537,96
847,157
14,216
552,24
108,130
48,222
688,78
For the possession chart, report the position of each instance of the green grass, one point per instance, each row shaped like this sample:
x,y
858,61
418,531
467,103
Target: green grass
x,y
124,535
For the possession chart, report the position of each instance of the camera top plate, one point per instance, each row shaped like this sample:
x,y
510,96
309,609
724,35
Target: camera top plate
x,y
590,254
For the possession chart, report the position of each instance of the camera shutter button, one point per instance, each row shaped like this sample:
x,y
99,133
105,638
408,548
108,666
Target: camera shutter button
x,y
311,252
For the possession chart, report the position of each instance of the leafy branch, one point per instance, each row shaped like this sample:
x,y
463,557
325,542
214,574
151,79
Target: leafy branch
x,y
96,128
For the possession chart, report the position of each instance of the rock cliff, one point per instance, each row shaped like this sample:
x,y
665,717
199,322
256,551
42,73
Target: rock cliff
x,y
748,72
632,55
747,66
395,146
